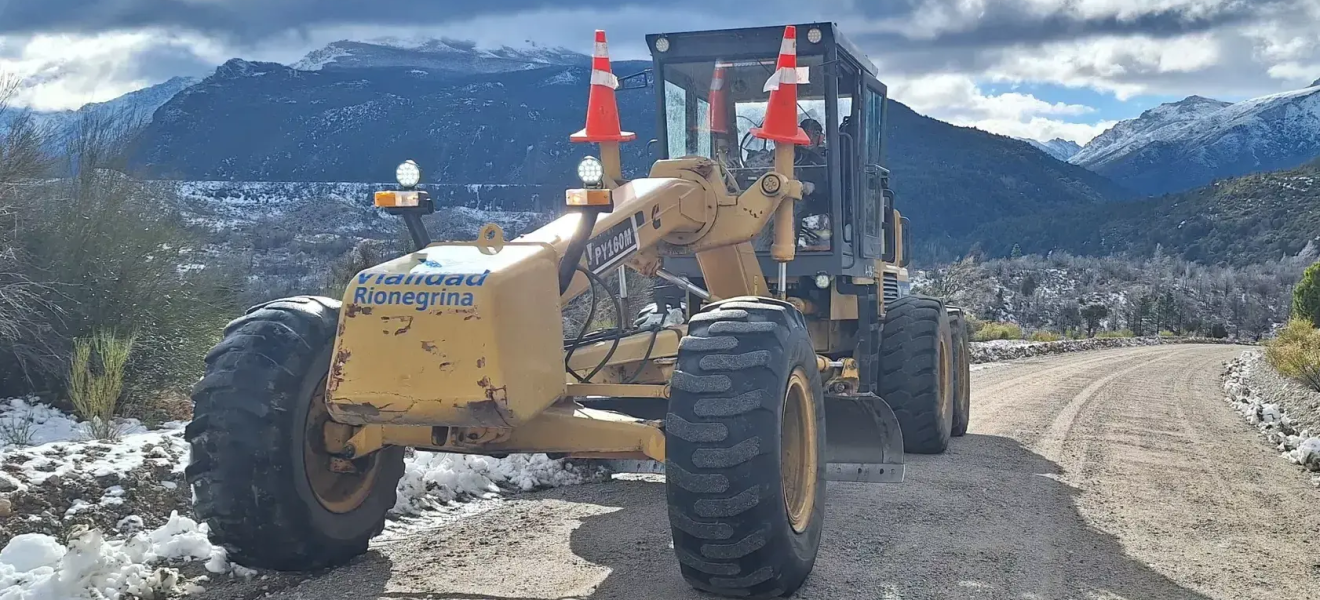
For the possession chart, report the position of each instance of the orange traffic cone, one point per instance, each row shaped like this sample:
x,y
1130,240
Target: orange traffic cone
x,y
719,113
602,110
780,124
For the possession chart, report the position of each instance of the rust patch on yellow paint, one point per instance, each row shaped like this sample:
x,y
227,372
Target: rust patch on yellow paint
x,y
366,410
337,368
407,321
353,310
481,363
428,346
495,405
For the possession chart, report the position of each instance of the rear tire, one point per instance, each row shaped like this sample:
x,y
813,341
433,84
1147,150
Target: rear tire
x,y
916,372
255,447
962,375
745,450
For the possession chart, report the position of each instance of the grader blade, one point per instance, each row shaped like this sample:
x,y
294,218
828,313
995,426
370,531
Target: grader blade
x,y
863,441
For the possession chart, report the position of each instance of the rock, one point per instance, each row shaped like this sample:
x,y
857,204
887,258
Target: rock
x,y
7,483
6,508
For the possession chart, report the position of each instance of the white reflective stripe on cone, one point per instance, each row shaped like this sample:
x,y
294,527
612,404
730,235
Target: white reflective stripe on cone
x,y
604,78
602,49
798,76
788,46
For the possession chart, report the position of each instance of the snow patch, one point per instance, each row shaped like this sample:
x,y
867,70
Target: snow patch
x,y
36,566
436,480
127,561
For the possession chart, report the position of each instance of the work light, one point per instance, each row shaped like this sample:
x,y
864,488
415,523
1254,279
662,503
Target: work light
x,y
408,174
590,171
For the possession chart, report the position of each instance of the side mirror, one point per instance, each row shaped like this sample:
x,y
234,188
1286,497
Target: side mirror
x,y
907,233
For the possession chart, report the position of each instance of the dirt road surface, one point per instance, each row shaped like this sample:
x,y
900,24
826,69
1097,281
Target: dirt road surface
x,y
1109,474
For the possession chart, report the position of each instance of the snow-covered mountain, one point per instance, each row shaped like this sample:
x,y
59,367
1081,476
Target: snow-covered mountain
x,y
1058,147
133,107
1192,142
1165,121
445,55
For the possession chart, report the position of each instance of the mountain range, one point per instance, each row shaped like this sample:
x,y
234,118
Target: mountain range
x,y
503,118
1181,145
453,56
495,122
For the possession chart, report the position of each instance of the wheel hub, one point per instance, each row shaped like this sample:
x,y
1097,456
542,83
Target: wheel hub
x,y
946,379
340,485
798,458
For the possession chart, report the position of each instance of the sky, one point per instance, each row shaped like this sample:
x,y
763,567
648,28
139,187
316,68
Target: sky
x,y
1026,68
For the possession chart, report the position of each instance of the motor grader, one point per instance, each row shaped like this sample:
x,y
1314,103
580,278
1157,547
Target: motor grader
x,y
782,366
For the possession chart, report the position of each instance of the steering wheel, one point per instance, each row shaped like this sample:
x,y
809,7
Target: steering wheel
x,y
798,157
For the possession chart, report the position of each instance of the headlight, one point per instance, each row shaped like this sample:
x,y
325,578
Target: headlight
x,y
813,35
590,171
408,174
822,281
662,44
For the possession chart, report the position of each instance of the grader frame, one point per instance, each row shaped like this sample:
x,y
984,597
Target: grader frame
x,y
460,346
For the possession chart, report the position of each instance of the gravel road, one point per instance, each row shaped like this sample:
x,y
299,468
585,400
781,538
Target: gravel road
x,y
1109,474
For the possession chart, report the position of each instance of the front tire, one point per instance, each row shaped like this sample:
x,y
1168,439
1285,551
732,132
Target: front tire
x,y
916,372
745,450
259,472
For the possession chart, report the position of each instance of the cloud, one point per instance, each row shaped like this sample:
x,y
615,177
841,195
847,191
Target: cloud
x,y
1225,48
66,71
957,99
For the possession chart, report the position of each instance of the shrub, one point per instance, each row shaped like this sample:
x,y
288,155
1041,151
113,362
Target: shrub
x,y
1295,352
1306,296
1167,333
998,331
18,429
94,390
108,259
1045,336
1121,333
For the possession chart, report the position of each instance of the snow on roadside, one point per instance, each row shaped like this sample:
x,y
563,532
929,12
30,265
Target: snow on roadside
x,y
1287,414
84,518
998,350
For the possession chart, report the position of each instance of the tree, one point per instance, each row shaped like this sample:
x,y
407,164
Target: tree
x,y
1306,296
1092,314
1017,252
1029,285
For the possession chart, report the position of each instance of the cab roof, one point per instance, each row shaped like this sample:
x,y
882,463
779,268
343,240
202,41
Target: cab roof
x,y
754,42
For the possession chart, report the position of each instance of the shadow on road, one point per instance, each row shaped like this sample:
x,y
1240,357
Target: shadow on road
x,y
986,520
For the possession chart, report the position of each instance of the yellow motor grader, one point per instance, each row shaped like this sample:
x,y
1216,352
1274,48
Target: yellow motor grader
x,y
791,358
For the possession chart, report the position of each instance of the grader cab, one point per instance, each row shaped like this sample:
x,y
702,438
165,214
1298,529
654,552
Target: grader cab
x,y
783,366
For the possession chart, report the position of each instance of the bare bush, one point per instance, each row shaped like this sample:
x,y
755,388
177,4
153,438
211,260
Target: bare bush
x,y
18,429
